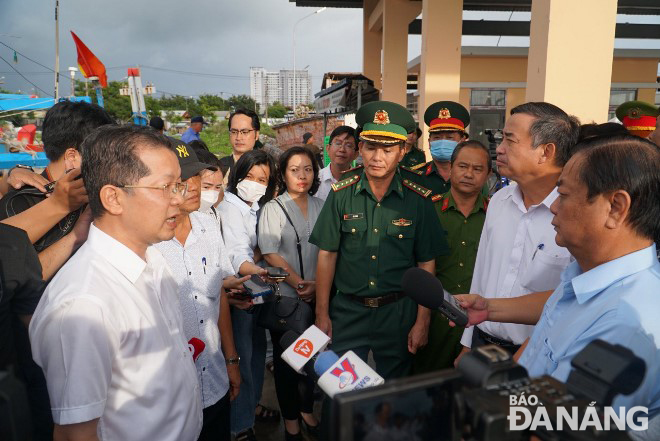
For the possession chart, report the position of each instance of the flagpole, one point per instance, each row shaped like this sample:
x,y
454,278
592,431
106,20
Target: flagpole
x,y
57,51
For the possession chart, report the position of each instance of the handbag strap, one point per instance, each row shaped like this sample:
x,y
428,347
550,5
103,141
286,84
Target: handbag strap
x,y
298,244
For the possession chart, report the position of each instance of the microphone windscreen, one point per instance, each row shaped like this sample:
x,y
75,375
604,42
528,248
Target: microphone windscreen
x,y
288,338
324,361
423,287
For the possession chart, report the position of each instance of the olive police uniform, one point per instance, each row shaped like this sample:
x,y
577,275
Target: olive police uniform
x,y
455,272
376,242
638,117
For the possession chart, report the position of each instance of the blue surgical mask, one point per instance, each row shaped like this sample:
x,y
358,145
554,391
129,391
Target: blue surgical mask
x,y
442,149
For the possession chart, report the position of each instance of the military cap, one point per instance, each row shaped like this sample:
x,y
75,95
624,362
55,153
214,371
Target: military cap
x,y
445,116
637,115
384,122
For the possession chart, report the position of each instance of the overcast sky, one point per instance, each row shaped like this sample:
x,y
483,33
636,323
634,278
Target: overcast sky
x,y
218,37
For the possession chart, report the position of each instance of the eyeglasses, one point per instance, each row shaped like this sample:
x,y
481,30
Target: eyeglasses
x,y
348,145
244,132
169,190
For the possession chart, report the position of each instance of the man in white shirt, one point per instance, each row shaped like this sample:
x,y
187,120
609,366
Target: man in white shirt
x,y
517,251
108,331
342,150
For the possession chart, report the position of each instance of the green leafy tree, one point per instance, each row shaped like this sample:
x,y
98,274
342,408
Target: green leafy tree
x,y
276,110
244,101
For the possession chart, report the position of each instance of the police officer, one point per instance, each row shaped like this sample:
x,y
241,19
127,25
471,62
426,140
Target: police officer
x,y
462,212
638,117
447,121
373,227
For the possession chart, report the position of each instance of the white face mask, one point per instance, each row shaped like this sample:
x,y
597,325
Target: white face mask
x,y
250,191
208,198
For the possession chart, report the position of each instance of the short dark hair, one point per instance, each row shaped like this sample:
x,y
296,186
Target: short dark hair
x,y
110,157
552,125
629,163
340,130
207,157
68,123
256,125
284,162
157,123
606,129
473,144
198,146
306,136
243,167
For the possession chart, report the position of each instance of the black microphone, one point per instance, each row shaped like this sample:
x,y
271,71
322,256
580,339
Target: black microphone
x,y
426,290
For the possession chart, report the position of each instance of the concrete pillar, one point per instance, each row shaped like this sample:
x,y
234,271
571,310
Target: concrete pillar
x,y
372,46
570,55
397,15
440,70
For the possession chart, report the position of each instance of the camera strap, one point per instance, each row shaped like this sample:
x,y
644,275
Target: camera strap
x,y
298,244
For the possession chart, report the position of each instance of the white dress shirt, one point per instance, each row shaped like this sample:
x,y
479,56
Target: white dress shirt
x,y
198,267
517,255
326,178
239,229
108,334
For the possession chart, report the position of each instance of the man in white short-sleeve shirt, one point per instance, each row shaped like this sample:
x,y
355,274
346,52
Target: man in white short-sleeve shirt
x,y
342,150
517,252
108,331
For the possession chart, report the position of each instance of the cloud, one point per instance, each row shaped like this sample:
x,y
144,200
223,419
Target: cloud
x,y
213,36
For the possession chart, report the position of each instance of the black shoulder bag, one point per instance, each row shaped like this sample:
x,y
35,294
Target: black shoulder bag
x,y
287,313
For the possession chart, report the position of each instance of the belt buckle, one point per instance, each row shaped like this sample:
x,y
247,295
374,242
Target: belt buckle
x,y
371,302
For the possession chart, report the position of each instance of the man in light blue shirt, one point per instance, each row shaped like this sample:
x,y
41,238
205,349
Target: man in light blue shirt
x,y
608,216
192,134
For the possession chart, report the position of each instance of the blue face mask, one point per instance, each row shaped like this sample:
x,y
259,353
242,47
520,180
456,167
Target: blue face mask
x,y
442,149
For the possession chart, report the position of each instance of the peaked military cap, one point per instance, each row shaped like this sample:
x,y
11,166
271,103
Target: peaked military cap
x,y
637,115
384,122
445,116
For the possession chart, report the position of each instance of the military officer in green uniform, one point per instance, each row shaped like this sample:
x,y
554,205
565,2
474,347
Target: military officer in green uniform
x,y
375,225
462,212
414,156
638,117
447,121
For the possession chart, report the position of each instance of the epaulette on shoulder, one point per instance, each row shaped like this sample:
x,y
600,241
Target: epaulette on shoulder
x,y
422,191
412,170
357,167
415,167
437,197
340,185
351,171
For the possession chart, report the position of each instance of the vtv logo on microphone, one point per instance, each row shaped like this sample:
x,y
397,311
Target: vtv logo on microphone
x,y
304,347
345,372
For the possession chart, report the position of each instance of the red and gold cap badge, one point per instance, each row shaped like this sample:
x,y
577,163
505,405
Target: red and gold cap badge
x,y
444,113
381,117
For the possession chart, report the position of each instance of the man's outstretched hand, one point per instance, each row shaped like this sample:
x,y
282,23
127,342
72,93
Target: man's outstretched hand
x,y
476,306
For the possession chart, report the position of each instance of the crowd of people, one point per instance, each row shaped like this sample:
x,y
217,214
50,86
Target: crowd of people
x,y
125,262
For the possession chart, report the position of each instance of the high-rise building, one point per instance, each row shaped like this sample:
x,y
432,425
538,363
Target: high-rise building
x,y
268,87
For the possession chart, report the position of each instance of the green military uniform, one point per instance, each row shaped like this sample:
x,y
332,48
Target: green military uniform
x,y
414,157
376,241
455,272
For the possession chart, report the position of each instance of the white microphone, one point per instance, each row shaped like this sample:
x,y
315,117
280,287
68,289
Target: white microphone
x,y
301,349
341,374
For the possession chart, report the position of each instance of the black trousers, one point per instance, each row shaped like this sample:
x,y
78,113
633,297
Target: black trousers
x,y
216,423
295,392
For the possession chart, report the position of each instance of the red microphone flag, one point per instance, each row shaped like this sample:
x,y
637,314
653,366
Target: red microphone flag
x,y
89,65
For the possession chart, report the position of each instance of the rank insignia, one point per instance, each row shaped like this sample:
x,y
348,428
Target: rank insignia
x,y
444,113
402,222
436,197
353,216
381,117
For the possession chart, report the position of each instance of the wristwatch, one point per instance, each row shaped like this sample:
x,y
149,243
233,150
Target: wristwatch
x,y
233,360
26,167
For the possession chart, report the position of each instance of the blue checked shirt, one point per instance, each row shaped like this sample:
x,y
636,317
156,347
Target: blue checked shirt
x,y
198,267
618,302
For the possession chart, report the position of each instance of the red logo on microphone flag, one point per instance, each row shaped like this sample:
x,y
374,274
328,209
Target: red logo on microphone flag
x,y
196,346
304,347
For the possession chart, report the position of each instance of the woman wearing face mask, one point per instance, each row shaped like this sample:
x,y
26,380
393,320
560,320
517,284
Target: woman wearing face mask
x,y
298,180
251,184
